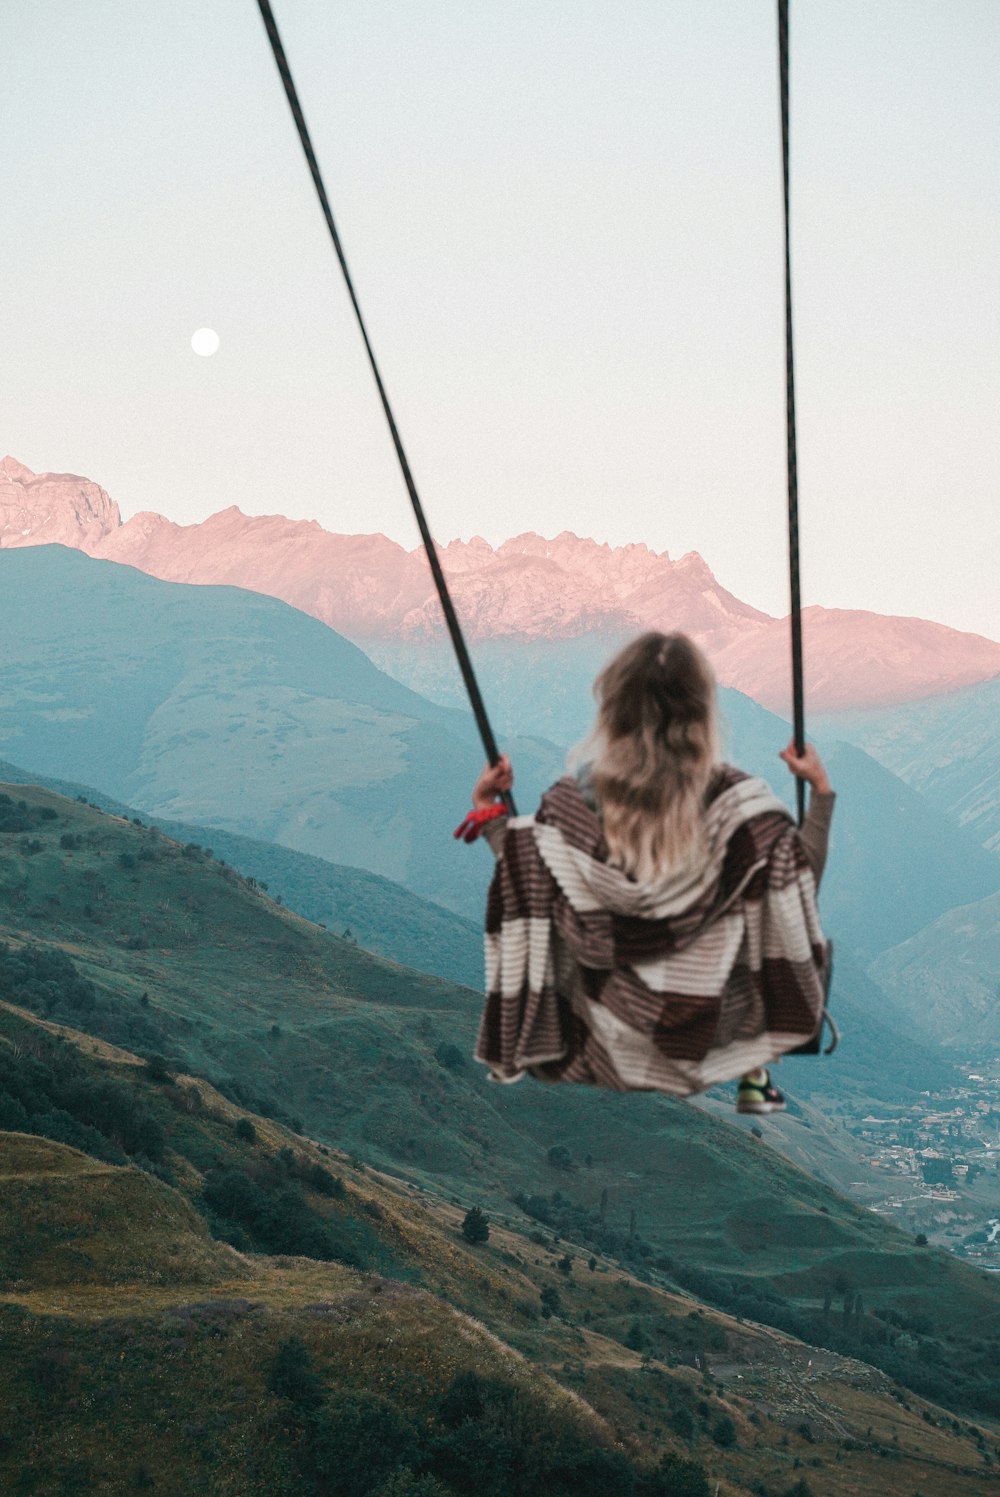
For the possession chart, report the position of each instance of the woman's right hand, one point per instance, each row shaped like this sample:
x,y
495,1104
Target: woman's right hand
x,y
494,780
807,766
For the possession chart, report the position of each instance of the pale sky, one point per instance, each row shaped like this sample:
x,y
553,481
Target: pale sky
x,y
564,224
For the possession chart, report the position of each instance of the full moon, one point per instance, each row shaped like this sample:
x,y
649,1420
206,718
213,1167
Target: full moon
x,y
205,341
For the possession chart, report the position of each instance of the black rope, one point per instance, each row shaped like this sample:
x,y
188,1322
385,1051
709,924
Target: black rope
x,y
798,689
450,616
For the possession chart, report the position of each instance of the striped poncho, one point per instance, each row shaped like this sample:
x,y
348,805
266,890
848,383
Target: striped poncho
x,y
672,985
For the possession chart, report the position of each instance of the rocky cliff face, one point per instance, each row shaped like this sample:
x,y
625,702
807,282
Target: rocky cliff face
x,y
526,591
37,509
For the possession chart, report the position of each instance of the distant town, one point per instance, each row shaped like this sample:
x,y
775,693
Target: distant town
x,y
941,1162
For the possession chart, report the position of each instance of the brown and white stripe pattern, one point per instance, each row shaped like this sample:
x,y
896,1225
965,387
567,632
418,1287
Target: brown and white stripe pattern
x,y
667,986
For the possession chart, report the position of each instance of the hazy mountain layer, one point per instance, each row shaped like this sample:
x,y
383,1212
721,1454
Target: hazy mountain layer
x,y
226,708
947,977
947,747
530,588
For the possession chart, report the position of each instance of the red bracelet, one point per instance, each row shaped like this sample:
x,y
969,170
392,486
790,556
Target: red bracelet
x,y
476,820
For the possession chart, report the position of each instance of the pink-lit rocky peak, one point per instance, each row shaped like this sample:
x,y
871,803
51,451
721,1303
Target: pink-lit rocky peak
x,y
37,509
528,589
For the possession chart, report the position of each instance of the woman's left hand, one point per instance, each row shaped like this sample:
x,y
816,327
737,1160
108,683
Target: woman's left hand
x,y
494,780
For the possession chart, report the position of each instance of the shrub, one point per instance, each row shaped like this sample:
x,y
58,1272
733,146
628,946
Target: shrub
x,y
356,1441
674,1477
681,1421
245,1131
801,1488
634,1338
291,1375
271,1218
494,1439
317,1178
724,1432
405,1483
476,1227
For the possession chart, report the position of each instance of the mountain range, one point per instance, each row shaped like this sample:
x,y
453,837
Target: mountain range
x,y
225,708
233,714
528,589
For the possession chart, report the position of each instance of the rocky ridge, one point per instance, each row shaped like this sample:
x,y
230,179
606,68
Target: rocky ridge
x,y
528,589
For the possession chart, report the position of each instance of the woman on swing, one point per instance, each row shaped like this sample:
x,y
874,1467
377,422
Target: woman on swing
x,y
654,925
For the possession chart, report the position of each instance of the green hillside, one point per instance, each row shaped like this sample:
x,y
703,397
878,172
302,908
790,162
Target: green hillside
x,y
153,945
380,915
388,920
379,1354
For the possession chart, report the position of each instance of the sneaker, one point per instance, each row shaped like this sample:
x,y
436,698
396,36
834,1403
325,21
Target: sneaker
x,y
756,1094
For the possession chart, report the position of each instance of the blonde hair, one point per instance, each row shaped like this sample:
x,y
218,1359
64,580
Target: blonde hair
x,y
655,749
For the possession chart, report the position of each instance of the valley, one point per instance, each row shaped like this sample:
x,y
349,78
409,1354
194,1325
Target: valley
x,y
939,1160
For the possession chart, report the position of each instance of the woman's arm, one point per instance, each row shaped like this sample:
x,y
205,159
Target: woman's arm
x,y
494,780
815,829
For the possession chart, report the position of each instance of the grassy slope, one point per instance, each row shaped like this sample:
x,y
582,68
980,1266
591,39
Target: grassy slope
x,y
156,1376
390,921
71,1220
356,1058
382,916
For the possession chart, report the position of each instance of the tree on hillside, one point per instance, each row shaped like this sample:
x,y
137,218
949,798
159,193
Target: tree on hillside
x,y
551,1302
476,1226
157,1069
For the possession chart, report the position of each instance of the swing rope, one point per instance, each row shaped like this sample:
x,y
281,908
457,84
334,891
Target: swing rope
x,y
798,689
448,608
